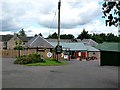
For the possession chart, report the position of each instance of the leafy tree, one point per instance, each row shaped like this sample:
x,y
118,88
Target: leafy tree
x,y
40,34
114,18
64,36
70,36
22,32
18,48
84,35
97,38
35,35
111,38
103,36
53,36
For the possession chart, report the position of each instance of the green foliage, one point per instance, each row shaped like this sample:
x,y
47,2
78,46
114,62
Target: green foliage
x,y
26,59
65,36
22,32
53,36
40,34
16,43
99,38
18,48
84,35
80,58
111,10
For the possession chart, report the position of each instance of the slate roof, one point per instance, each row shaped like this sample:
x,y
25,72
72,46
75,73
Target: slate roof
x,y
89,42
85,41
5,38
108,46
25,39
39,42
61,40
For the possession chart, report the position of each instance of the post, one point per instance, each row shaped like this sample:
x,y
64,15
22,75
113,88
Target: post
x,y
19,52
59,4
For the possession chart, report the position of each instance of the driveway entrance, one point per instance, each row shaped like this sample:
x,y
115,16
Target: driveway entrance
x,y
77,74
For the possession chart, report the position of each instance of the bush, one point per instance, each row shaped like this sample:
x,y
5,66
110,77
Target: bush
x,y
26,59
80,58
18,48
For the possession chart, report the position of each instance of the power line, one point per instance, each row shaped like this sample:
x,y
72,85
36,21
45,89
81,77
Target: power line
x,y
52,20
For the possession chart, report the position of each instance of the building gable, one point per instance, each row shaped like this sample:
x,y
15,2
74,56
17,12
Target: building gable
x,y
39,42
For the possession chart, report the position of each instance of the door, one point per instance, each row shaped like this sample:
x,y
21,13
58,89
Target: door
x,y
83,54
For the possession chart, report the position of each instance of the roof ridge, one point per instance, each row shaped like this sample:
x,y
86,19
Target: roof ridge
x,y
34,40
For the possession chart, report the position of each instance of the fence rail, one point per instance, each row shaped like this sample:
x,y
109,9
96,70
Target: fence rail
x,y
15,53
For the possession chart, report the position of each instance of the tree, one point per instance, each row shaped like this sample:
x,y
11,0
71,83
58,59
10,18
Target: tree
x,y
53,36
40,34
97,38
114,18
65,36
103,36
35,35
111,37
84,35
70,36
22,32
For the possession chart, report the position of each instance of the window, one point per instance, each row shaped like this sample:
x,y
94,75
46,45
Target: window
x,y
51,50
93,53
23,43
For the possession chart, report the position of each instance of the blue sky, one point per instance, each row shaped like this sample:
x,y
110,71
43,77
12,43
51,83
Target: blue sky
x,y
38,16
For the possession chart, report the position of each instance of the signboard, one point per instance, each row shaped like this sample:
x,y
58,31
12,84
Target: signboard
x,y
49,54
79,54
58,49
65,56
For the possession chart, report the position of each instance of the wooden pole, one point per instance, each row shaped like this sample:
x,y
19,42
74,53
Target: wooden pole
x,y
59,4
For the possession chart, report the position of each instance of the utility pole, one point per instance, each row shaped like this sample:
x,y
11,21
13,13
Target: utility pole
x,y
58,47
59,4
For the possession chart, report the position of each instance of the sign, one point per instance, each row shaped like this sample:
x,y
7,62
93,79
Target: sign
x,y
79,54
65,56
49,54
62,55
58,49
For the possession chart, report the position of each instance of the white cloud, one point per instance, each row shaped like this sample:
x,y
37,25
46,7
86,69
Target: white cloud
x,y
75,15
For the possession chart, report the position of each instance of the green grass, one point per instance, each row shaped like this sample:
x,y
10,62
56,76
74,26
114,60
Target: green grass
x,y
47,63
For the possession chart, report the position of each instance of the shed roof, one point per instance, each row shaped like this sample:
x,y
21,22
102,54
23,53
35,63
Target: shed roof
x,y
39,42
108,46
24,38
73,46
89,42
61,40
91,49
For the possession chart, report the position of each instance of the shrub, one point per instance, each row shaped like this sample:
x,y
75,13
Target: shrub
x,y
18,48
26,59
80,58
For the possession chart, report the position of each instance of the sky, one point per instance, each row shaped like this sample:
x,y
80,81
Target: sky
x,y
40,16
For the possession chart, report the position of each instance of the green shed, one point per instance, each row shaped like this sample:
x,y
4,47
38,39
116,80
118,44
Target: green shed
x,y
110,53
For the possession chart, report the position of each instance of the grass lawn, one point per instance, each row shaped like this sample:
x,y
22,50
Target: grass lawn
x,y
47,63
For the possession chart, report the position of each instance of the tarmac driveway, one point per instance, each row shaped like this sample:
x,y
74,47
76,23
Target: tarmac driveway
x,y
77,74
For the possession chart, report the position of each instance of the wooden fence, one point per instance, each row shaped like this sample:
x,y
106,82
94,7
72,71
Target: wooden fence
x,y
15,53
